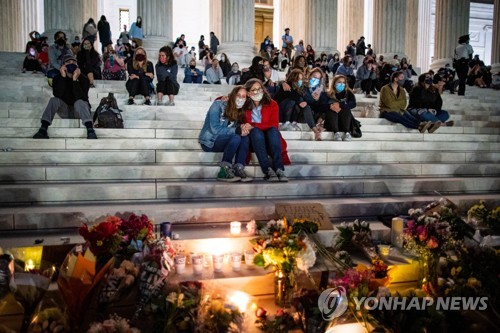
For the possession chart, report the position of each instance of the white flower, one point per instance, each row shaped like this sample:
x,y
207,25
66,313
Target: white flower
x,y
364,224
281,224
343,225
172,298
307,257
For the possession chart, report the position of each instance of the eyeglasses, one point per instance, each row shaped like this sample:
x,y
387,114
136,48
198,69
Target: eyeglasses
x,y
256,91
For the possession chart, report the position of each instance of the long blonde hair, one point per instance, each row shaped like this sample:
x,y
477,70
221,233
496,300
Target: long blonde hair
x,y
135,63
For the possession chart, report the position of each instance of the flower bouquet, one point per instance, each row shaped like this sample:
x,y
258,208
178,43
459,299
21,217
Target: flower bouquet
x,y
480,216
114,324
119,278
136,231
218,316
281,322
49,318
359,235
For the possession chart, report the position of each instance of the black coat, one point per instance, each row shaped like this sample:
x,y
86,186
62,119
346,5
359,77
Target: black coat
x,y
70,91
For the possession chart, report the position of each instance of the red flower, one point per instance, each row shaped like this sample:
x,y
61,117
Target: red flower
x,y
432,243
260,313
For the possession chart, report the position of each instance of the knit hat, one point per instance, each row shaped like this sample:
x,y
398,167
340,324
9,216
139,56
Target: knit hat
x,y
68,57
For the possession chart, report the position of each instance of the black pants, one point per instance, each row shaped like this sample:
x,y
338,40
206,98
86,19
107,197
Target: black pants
x,y
167,87
140,86
338,122
462,69
351,80
31,65
368,85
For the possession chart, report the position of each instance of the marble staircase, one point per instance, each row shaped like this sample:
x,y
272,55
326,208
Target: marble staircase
x,y
155,165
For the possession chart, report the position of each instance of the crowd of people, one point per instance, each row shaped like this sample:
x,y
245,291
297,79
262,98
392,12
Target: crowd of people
x,y
318,89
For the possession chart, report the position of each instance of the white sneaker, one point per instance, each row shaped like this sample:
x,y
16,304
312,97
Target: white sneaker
x,y
285,126
337,136
296,127
347,136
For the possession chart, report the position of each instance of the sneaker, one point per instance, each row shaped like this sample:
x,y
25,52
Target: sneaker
x,y
91,134
424,126
434,127
337,136
130,101
369,96
374,93
281,175
41,134
147,102
226,175
240,172
449,123
171,103
92,85
271,176
347,136
295,127
285,126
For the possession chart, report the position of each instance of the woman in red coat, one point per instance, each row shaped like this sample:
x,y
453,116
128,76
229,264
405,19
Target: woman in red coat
x,y
265,137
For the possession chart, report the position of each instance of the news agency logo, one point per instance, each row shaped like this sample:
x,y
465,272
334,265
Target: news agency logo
x,y
333,303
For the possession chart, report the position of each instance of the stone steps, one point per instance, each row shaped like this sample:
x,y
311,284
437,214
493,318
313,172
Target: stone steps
x,y
144,189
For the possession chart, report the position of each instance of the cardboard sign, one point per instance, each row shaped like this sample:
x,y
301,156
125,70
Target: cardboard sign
x,y
314,212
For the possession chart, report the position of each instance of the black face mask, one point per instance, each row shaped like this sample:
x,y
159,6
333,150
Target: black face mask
x,y
192,66
71,68
428,81
140,57
61,42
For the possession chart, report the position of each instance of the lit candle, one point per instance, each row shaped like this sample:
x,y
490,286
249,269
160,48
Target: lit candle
x,y
397,232
240,299
235,228
218,260
384,250
236,261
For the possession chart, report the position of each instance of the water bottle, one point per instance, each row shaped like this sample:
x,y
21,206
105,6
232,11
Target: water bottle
x,y
111,60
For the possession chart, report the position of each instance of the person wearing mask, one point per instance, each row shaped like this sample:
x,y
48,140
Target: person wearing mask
x,y
283,60
76,45
179,39
104,32
393,104
214,43
89,61
43,58
192,74
225,130
426,104
317,99
338,118
181,54
233,77
462,56
346,70
70,89
334,63
136,32
287,43
31,61
90,31
214,74
256,70
201,47
290,100
225,64
57,51
264,44
124,35
367,76
140,76
166,72
262,114
114,65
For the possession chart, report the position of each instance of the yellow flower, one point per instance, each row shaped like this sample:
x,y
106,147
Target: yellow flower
x,y
473,283
99,243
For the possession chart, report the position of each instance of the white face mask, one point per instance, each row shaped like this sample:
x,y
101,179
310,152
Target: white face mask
x,y
240,102
257,97
222,58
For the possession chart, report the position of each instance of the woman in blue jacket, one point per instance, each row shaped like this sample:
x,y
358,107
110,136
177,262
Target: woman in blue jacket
x,y
225,131
166,72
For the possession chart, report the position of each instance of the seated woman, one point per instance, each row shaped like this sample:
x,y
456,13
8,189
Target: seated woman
x,y
283,60
225,131
192,74
290,99
114,65
31,62
393,104
367,77
166,72
339,118
255,71
426,103
475,77
334,63
345,69
299,62
140,76
214,74
263,115
233,77
310,55
317,99
225,64
89,61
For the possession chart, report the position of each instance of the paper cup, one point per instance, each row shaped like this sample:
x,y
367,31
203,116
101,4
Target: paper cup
x,y
236,261
180,263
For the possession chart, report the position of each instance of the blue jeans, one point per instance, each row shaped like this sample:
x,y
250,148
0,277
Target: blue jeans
x,y
264,142
405,119
232,145
441,115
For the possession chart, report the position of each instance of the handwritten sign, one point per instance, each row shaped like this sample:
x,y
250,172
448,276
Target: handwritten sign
x,y
314,212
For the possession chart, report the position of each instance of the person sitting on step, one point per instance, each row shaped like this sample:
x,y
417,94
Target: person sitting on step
x,y
57,51
166,70
192,74
214,73
89,61
233,77
317,99
347,71
71,99
225,130
265,139
342,100
393,104
367,77
114,64
140,76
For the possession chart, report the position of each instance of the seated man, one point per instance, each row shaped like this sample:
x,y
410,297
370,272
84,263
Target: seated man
x,y
214,73
192,74
71,99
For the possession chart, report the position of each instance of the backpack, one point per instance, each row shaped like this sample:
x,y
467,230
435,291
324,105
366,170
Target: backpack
x,y
107,114
355,128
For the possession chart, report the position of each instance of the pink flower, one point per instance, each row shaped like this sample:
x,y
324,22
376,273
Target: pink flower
x,y
260,312
422,233
280,312
432,243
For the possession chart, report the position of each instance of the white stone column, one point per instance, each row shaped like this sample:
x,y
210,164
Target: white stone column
x,y
322,26
495,45
368,19
10,23
452,21
293,15
68,16
418,33
237,35
215,19
350,20
389,21
156,24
